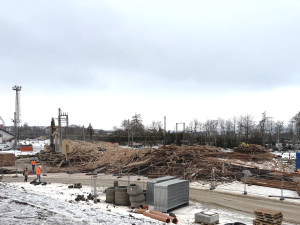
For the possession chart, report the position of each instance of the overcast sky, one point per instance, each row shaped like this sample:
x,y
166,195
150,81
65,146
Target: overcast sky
x,y
104,61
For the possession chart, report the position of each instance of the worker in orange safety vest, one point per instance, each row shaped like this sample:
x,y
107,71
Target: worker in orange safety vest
x,y
26,173
33,163
38,174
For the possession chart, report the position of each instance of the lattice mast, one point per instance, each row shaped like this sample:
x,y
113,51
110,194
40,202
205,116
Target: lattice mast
x,y
17,113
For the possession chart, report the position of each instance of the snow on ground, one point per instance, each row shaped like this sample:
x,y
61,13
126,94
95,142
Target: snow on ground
x,y
54,204
24,203
37,145
285,155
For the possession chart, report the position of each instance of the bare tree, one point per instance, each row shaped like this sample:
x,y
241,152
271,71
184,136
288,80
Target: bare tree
x,y
246,124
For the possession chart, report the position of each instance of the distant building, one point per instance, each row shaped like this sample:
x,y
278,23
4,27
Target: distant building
x,y
6,137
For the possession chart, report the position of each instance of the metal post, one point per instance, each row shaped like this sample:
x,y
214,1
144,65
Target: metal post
x,y
16,131
282,198
212,185
15,163
245,184
128,179
120,175
94,187
139,171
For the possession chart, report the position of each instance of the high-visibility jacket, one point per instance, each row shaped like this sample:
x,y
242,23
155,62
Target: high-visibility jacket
x,y
26,172
33,162
38,171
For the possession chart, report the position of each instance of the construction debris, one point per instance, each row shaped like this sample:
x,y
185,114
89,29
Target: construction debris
x,y
77,185
191,162
86,156
80,198
251,149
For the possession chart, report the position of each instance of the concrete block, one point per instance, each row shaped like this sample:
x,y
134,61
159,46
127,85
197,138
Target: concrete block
x,y
206,217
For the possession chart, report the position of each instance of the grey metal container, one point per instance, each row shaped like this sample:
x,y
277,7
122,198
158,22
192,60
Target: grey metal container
x,y
150,187
171,194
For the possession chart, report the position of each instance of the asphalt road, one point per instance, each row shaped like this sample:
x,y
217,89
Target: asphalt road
x,y
240,202
291,211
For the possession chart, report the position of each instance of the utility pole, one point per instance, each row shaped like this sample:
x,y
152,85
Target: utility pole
x,y
16,131
17,113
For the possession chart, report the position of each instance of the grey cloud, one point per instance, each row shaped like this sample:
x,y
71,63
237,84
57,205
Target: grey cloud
x,y
253,49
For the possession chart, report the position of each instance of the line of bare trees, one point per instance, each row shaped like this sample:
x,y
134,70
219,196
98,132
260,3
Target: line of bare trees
x,y
222,133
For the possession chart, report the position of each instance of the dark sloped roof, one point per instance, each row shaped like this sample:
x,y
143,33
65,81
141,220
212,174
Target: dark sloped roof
x,y
7,132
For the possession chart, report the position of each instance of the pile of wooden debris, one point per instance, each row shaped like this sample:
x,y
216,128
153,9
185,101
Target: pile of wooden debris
x,y
251,149
86,157
193,162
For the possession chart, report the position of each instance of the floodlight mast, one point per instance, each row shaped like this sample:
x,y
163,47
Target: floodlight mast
x,y
17,113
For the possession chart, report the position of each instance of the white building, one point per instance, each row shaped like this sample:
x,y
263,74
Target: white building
x,y
6,137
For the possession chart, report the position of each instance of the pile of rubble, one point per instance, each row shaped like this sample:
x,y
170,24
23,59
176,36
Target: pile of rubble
x,y
86,157
193,162
251,149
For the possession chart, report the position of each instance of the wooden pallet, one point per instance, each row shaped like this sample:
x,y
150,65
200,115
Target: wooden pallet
x,y
268,212
257,222
269,219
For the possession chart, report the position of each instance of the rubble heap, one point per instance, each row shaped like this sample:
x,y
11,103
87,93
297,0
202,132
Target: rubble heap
x,y
251,149
86,156
194,162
